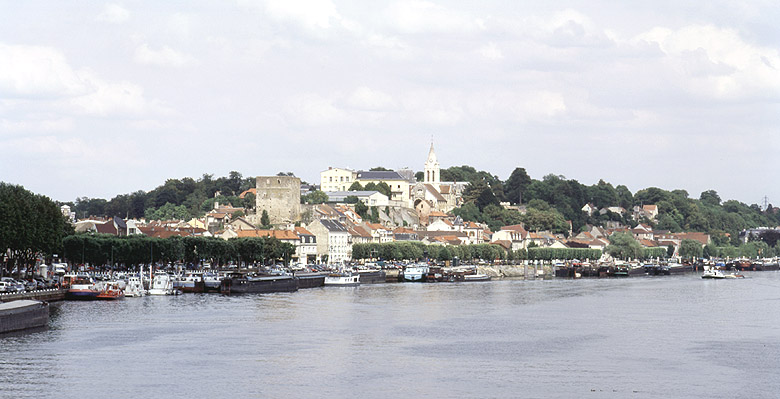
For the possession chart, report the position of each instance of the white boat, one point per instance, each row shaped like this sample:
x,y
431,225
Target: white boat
x,y
134,287
162,284
714,273
343,280
476,277
415,273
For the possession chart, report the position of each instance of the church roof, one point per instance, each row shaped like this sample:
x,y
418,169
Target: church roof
x,y
431,156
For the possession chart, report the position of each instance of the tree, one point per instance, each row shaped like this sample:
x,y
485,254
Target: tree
x,y
250,201
710,197
351,199
361,209
690,249
356,186
419,176
624,246
315,197
383,188
516,184
31,225
379,169
265,221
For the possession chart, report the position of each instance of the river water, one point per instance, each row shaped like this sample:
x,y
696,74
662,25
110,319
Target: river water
x,y
649,337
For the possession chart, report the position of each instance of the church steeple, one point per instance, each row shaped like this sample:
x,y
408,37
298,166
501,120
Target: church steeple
x,y
432,170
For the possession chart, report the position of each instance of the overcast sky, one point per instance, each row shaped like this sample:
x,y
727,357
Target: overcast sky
x,y
99,99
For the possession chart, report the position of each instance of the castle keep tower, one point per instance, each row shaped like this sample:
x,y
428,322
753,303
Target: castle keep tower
x,y
280,196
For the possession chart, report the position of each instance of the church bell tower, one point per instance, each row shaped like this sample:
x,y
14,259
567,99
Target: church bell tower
x,y
432,171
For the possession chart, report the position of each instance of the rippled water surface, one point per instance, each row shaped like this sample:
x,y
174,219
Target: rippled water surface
x,y
639,337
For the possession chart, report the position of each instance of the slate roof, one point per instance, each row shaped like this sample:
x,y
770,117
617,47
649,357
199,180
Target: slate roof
x,y
379,175
333,225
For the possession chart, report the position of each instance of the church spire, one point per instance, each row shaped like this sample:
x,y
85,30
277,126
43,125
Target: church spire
x,y
432,172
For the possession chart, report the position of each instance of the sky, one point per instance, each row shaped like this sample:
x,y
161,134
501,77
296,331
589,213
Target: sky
x,y
99,99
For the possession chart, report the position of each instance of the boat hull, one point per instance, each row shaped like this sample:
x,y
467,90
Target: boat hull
x,y
81,295
260,285
23,315
311,280
373,277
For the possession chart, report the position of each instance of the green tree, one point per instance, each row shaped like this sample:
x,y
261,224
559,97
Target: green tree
x,y
690,249
356,186
31,225
516,184
361,209
383,188
624,246
315,197
351,199
265,220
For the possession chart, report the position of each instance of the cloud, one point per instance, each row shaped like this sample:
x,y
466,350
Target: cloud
x,y
366,98
114,99
164,57
40,81
36,72
416,16
114,13
491,52
40,125
716,62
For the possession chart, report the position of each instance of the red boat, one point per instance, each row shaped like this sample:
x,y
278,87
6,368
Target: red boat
x,y
111,291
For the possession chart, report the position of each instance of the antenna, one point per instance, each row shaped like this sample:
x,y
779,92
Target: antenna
x,y
765,203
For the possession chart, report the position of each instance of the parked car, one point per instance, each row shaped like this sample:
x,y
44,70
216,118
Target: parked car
x,y
7,287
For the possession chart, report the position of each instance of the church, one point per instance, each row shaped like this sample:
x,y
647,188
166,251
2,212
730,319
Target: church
x,y
432,196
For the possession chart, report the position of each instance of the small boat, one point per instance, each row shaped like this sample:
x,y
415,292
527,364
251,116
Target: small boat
x,y
342,279
212,282
415,273
192,282
476,277
80,287
713,273
162,284
111,291
134,287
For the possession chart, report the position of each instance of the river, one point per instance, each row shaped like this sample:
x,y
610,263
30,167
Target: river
x,y
647,337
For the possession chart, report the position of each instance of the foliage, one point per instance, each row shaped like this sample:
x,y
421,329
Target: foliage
x,y
129,251
167,212
516,185
415,251
314,197
538,253
265,220
351,199
356,186
31,225
624,246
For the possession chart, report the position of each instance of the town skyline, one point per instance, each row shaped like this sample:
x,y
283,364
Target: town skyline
x,y
643,95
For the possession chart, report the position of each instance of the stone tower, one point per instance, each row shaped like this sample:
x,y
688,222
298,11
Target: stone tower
x,y
432,171
280,196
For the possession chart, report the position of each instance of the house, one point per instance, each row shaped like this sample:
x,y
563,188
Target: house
x,y
333,240
650,212
306,251
241,224
515,234
589,209
399,185
336,179
405,234
380,234
642,232
360,235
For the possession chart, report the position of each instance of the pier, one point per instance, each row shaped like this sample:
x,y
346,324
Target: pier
x,y
47,295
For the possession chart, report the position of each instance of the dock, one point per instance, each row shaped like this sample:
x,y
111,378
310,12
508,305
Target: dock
x,y
23,315
47,295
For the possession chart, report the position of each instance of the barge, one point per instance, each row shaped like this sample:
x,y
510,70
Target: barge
x,y
23,315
